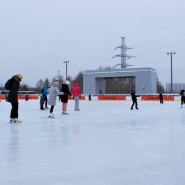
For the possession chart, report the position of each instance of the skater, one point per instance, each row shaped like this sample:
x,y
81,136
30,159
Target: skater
x,y
89,97
182,93
42,99
64,97
13,85
53,92
27,97
161,98
76,95
134,99
45,94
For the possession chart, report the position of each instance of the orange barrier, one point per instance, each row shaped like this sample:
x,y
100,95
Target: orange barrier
x,y
111,97
2,98
81,98
31,97
156,98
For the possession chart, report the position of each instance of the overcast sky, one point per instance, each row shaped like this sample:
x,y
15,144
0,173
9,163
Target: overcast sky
x,y
36,36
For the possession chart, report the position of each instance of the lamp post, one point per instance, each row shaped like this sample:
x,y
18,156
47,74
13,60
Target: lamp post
x,y
66,67
171,54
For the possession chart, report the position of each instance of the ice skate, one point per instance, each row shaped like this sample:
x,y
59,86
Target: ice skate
x,y
15,120
51,115
65,113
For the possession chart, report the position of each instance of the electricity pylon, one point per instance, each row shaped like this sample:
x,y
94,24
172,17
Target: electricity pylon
x,y
123,55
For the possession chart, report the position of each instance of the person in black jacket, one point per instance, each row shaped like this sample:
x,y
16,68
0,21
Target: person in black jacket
x,y
161,98
182,93
13,97
134,99
64,97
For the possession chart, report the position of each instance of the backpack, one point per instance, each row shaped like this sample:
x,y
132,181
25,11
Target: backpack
x,y
8,84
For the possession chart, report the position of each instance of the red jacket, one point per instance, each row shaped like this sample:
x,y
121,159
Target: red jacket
x,y
76,90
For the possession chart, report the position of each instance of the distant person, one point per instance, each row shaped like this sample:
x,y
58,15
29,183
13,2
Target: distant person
x,y
64,97
45,94
42,99
134,100
182,93
161,98
76,94
53,92
13,85
89,97
27,97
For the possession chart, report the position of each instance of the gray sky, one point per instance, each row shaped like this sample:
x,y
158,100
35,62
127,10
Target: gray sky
x,y
36,36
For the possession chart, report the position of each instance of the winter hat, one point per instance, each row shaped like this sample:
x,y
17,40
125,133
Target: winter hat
x,y
19,76
67,82
55,80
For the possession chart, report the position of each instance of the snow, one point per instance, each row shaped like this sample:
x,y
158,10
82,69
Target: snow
x,y
105,143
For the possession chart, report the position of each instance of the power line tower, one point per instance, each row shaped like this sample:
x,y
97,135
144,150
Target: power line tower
x,y
123,55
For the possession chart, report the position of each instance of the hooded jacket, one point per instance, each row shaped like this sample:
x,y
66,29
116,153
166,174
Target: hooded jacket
x,y
76,90
13,93
53,92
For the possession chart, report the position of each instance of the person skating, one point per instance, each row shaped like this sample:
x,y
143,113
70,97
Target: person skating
x,y
27,97
64,97
161,98
42,99
182,93
76,94
13,85
45,94
134,99
53,92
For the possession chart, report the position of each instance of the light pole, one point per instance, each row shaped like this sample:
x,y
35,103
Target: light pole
x,y
171,53
66,67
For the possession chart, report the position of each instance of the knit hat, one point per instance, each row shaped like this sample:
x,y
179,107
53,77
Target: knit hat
x,y
19,76
67,82
55,80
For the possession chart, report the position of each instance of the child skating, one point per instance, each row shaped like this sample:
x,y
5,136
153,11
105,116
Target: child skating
x,y
53,93
64,97
76,94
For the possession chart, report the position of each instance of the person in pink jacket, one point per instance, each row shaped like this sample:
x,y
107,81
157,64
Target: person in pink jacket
x,y
76,94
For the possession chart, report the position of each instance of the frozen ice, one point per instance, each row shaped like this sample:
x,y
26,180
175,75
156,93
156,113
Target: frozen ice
x,y
105,143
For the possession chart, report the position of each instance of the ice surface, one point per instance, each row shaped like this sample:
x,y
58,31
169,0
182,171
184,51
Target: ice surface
x,y
105,143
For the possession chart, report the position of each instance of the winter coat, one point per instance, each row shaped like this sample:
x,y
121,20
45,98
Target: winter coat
x,y
65,90
45,91
134,97
76,90
53,92
13,93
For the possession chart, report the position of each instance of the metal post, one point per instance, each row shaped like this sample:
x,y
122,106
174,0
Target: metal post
x,y
171,53
66,67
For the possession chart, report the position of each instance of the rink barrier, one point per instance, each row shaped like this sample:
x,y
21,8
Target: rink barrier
x,y
111,97
156,98
31,97
140,98
81,98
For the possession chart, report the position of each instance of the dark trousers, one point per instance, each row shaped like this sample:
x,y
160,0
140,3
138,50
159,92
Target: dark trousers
x,y
14,111
134,102
161,100
46,101
182,100
51,108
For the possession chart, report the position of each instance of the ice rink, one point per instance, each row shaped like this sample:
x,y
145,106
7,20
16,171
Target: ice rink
x,y
105,143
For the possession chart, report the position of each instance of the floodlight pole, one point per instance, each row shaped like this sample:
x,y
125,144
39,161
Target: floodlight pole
x,y
171,54
66,67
